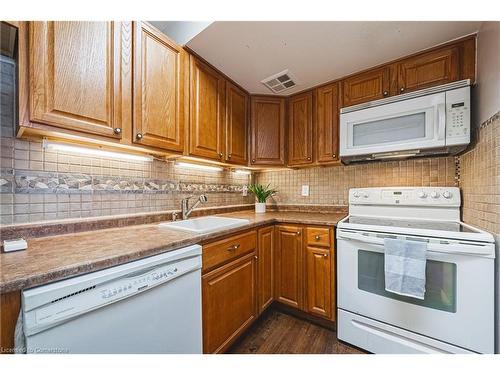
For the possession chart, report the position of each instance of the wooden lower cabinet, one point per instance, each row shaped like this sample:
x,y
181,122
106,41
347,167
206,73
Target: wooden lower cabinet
x,y
229,303
10,305
289,266
319,276
265,262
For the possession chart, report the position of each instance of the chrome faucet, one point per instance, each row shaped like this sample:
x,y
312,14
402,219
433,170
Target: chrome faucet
x,y
186,211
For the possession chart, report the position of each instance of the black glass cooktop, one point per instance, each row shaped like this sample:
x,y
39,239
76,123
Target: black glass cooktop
x,y
449,226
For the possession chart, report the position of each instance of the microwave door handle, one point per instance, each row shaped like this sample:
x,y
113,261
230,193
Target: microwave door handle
x,y
441,121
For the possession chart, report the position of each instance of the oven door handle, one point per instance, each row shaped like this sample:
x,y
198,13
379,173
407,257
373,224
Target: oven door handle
x,y
451,248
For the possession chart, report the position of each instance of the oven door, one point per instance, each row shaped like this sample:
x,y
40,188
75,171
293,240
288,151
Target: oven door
x,y
411,124
459,302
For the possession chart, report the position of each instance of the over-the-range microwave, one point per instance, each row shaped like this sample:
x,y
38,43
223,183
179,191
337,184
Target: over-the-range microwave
x,y
426,122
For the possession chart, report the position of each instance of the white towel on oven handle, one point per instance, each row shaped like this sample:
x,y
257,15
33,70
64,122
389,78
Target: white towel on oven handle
x,y
405,263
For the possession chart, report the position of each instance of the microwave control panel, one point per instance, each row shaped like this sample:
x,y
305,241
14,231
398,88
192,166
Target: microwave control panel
x,y
458,116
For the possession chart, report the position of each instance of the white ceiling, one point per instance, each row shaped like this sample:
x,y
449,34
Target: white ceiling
x,y
315,52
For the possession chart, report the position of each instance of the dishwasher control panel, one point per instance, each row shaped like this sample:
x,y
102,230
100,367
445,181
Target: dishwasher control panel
x,y
130,285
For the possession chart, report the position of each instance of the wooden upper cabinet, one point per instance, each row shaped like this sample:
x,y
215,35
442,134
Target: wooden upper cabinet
x,y
265,272
206,135
229,303
300,129
327,124
160,88
267,139
429,69
289,266
78,76
236,125
371,85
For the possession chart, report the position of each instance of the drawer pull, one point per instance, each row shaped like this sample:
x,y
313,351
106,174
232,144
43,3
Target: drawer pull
x,y
317,237
234,247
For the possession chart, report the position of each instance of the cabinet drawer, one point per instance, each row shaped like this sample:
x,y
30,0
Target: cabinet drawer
x,y
223,251
318,237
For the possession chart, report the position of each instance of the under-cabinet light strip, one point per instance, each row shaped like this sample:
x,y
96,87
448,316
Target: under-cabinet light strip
x,y
200,167
49,145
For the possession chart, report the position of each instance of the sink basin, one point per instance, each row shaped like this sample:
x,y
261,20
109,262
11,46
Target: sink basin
x,y
205,224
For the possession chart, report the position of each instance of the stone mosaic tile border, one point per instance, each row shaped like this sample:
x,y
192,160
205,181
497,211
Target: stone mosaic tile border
x,y
22,181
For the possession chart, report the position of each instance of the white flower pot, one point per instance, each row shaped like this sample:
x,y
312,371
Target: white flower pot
x,y
260,208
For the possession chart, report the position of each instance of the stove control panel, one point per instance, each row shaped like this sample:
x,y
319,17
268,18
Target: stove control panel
x,y
406,196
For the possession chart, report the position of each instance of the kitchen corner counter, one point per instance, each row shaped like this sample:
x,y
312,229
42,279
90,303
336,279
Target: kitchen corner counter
x,y
54,258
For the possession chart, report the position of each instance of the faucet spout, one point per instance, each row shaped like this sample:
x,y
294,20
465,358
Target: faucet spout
x,y
186,210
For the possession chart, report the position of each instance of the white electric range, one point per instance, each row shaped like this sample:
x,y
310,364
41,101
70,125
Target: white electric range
x,y
457,313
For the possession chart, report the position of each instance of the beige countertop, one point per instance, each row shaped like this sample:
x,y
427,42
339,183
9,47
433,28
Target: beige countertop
x,y
53,258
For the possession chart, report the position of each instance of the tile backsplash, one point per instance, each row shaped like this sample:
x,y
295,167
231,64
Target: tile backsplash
x,y
330,185
480,178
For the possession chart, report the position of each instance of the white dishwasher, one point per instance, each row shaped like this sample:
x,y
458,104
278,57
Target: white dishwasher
x,y
152,305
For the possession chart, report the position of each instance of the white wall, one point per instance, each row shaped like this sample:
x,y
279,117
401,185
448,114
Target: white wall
x,y
487,90
181,31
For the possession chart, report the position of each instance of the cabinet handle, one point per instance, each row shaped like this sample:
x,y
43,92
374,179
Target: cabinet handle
x,y
298,233
229,156
117,131
317,237
334,156
139,136
386,93
221,155
308,158
402,89
253,160
256,257
234,247
325,255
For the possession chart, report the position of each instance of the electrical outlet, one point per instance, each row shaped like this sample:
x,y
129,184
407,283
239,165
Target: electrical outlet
x,y
244,192
305,190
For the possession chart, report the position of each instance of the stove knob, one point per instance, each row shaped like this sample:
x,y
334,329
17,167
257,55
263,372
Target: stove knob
x,y
435,195
422,194
356,194
447,194
365,195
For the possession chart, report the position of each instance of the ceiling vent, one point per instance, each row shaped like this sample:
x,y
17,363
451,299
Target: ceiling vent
x,y
280,82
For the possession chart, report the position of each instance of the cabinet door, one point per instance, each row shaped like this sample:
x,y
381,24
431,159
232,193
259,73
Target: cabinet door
x,y
327,124
265,272
267,131
79,76
429,69
229,303
367,86
300,137
236,125
159,84
289,266
319,269
207,111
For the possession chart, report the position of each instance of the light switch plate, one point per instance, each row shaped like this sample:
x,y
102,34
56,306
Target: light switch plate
x,y
305,190
244,192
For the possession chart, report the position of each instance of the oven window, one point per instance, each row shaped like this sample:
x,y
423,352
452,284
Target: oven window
x,y
402,128
440,286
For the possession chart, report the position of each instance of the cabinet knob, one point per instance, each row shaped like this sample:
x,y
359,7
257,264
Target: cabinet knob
x,y
334,156
229,156
325,255
117,131
298,233
139,136
308,158
317,237
253,160
386,93
402,89
256,257
221,154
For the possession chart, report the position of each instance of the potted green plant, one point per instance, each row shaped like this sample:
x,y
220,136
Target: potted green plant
x,y
261,194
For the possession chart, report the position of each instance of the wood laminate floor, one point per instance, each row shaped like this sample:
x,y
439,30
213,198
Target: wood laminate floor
x,y
279,333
